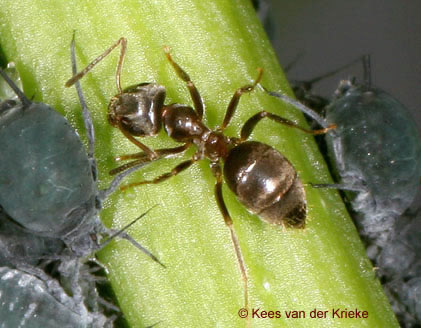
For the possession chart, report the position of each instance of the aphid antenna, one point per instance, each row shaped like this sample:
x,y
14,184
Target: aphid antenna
x,y
367,70
292,63
308,111
309,83
122,234
87,120
25,101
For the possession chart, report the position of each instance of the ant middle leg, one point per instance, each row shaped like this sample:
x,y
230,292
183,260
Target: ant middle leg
x,y
232,106
194,93
250,124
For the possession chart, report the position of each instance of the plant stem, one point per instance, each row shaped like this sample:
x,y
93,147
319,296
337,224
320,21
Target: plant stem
x,y
220,44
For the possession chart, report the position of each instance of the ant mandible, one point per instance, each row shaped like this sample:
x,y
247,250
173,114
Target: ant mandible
x,y
261,177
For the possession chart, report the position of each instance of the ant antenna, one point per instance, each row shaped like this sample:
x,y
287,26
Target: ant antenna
x,y
25,101
122,234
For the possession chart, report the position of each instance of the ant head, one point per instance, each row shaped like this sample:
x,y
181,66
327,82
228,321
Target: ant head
x,y
138,109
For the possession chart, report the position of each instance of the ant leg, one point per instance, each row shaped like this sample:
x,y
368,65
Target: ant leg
x,y
78,76
140,158
236,98
252,121
176,170
151,154
194,93
216,170
163,152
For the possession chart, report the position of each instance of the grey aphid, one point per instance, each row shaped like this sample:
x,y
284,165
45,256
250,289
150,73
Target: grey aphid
x,y
47,179
375,149
29,302
49,210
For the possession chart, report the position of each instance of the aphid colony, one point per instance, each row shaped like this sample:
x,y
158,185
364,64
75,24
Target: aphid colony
x,y
49,214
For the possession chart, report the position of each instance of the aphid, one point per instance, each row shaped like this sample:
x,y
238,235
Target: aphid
x,y
47,180
375,149
261,177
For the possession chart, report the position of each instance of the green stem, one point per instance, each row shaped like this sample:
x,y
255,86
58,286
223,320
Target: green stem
x,y
220,44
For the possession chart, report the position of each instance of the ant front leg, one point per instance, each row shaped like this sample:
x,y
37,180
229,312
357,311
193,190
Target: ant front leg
x,y
232,106
143,157
194,93
217,172
250,124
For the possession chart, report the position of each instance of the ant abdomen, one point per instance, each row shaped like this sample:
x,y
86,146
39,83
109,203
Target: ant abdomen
x,y
138,109
266,183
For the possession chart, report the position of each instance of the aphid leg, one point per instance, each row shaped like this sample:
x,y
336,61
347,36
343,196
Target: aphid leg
x,y
123,42
141,157
216,170
232,106
339,186
176,170
194,93
123,234
87,119
252,121
69,277
105,193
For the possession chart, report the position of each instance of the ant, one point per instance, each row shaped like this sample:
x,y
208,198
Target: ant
x,y
263,180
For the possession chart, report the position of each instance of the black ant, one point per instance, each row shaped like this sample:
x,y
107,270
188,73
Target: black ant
x,y
260,176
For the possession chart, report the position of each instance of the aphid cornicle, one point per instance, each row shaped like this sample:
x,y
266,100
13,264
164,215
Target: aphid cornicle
x,y
262,179
49,201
